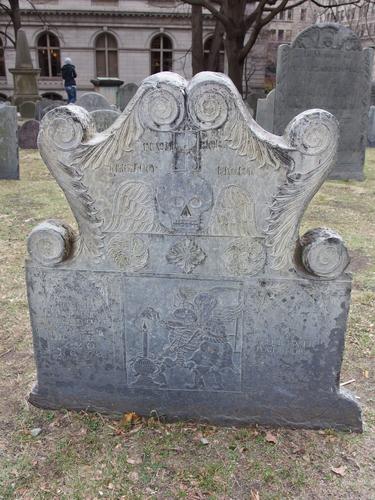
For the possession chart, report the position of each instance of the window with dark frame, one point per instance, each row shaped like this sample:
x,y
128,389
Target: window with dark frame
x,y
2,59
161,54
49,54
106,52
219,62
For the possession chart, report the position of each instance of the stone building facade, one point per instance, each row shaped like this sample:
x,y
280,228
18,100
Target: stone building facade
x,y
129,40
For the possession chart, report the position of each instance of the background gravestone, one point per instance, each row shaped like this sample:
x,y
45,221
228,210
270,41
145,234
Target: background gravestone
x,y
9,166
42,107
124,94
28,135
265,111
188,290
371,127
104,118
325,67
27,109
92,101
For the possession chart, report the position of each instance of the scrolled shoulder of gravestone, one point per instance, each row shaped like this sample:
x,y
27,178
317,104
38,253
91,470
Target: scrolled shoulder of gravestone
x,y
51,242
323,253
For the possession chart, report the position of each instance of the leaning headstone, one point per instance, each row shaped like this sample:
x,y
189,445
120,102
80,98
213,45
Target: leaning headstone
x,y
371,128
27,109
325,67
265,111
92,101
125,93
104,118
188,290
9,166
25,76
28,135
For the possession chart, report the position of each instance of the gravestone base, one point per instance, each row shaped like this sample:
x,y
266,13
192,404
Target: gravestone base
x,y
281,373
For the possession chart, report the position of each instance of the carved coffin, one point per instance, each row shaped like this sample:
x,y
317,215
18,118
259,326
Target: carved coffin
x,y
185,288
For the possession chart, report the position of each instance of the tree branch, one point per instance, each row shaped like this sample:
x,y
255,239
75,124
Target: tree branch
x,y
207,4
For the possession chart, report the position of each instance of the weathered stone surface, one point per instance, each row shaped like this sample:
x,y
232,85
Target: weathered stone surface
x,y
25,76
28,135
9,167
187,290
104,118
265,111
125,93
27,109
325,67
371,127
92,101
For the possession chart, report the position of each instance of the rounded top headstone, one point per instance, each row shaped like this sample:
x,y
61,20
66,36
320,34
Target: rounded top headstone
x,y
92,101
327,36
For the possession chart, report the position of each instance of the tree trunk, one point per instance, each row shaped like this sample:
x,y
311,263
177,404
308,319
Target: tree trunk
x,y
217,40
15,16
197,39
233,45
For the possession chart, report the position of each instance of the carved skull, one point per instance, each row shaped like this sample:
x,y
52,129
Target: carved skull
x,y
182,199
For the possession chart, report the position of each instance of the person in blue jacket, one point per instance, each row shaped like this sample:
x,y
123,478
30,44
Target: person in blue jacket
x,y
68,73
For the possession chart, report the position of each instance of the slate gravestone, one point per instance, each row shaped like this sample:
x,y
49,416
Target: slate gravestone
x,y
28,135
265,111
104,118
92,101
27,109
188,290
125,93
371,128
9,166
42,107
325,67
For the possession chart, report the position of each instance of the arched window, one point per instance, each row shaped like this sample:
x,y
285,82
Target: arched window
x,y
106,55
161,54
219,60
2,59
49,54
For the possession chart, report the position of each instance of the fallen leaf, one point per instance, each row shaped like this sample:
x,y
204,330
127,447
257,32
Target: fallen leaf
x,y
254,495
134,460
110,486
35,432
339,471
365,373
130,418
270,438
204,441
306,458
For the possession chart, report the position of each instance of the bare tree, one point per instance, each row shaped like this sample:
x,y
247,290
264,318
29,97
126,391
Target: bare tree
x,y
13,10
243,20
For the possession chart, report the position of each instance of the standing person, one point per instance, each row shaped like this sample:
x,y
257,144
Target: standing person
x,y
68,73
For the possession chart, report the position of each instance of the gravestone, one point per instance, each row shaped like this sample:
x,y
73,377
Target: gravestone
x,y
188,290
9,166
371,128
265,111
325,67
372,98
27,109
124,94
104,118
92,101
42,107
28,135
25,76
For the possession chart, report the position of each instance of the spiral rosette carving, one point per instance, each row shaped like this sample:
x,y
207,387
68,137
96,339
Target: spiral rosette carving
x,y
50,243
162,109
208,106
129,253
313,132
324,253
66,127
245,256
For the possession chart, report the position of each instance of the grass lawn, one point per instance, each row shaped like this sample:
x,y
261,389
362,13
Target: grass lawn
x,y
82,456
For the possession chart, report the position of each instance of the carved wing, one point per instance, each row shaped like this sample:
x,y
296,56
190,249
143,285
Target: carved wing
x,y
62,129
233,213
315,134
133,209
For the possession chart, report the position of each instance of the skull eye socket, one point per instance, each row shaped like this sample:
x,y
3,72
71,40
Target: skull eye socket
x,y
178,202
195,203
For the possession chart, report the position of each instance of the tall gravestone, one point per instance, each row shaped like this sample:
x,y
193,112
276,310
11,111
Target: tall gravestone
x,y
9,165
25,76
265,111
188,290
325,67
124,94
